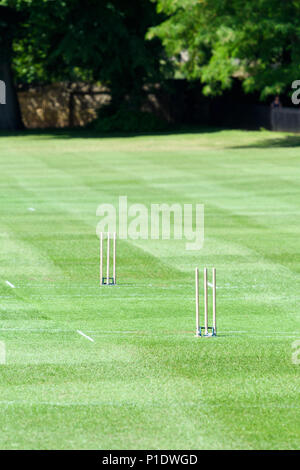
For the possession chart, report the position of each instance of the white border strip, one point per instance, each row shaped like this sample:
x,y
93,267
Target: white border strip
x,y
87,337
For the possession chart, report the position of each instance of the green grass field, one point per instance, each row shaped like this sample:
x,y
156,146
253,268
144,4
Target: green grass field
x,y
146,382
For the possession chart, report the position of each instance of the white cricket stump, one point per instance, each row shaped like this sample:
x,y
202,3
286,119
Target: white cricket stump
x,y
206,331
108,280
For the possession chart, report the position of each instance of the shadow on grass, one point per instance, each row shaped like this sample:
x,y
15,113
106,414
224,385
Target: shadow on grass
x,y
88,134
288,140
279,142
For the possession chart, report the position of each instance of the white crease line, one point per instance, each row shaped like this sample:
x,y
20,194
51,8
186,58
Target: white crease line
x,y
31,209
243,333
10,284
211,285
281,334
133,403
87,337
37,330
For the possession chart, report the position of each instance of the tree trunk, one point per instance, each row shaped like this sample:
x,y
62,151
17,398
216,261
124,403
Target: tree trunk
x,y
10,114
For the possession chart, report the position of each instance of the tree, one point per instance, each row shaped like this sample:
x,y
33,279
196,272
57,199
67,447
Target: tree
x,y
10,116
217,40
88,40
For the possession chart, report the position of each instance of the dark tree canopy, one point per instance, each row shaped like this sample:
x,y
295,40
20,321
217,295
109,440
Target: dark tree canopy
x,y
91,40
85,40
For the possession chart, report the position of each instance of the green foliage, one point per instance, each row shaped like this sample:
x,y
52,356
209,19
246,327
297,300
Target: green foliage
x,y
259,42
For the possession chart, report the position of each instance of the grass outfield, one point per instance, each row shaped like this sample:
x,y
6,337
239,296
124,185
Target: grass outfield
x,y
146,381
